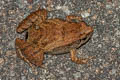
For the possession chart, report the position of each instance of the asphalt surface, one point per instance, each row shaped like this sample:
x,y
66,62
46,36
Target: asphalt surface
x,y
102,15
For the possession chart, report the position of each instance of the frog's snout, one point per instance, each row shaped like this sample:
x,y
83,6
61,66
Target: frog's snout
x,y
88,30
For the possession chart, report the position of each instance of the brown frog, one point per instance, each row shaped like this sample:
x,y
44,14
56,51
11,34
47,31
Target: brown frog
x,y
52,36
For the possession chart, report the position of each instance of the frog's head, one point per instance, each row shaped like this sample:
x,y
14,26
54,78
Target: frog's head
x,y
85,31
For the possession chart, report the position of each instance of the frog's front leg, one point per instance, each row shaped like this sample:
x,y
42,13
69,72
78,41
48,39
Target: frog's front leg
x,y
71,17
34,17
29,53
79,60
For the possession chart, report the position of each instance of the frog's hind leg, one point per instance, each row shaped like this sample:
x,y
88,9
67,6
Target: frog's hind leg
x,y
29,53
35,17
79,60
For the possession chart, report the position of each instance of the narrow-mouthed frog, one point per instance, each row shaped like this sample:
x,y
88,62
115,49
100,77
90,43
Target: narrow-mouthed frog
x,y
52,36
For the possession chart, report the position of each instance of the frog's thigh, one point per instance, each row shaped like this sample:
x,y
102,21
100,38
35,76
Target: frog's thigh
x,y
78,60
71,17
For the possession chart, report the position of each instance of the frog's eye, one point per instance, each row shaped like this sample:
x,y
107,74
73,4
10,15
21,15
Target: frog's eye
x,y
84,38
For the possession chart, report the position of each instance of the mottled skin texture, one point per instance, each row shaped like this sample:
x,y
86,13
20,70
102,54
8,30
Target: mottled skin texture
x,y
52,36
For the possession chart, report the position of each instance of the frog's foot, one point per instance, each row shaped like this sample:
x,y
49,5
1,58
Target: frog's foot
x,y
35,17
18,51
28,53
78,60
71,17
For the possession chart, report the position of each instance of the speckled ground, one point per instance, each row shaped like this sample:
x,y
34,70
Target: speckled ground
x,y
102,15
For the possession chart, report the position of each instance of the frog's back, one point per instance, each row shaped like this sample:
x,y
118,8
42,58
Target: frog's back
x,y
45,33
56,36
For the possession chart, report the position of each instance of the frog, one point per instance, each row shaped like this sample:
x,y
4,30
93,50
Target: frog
x,y
51,36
